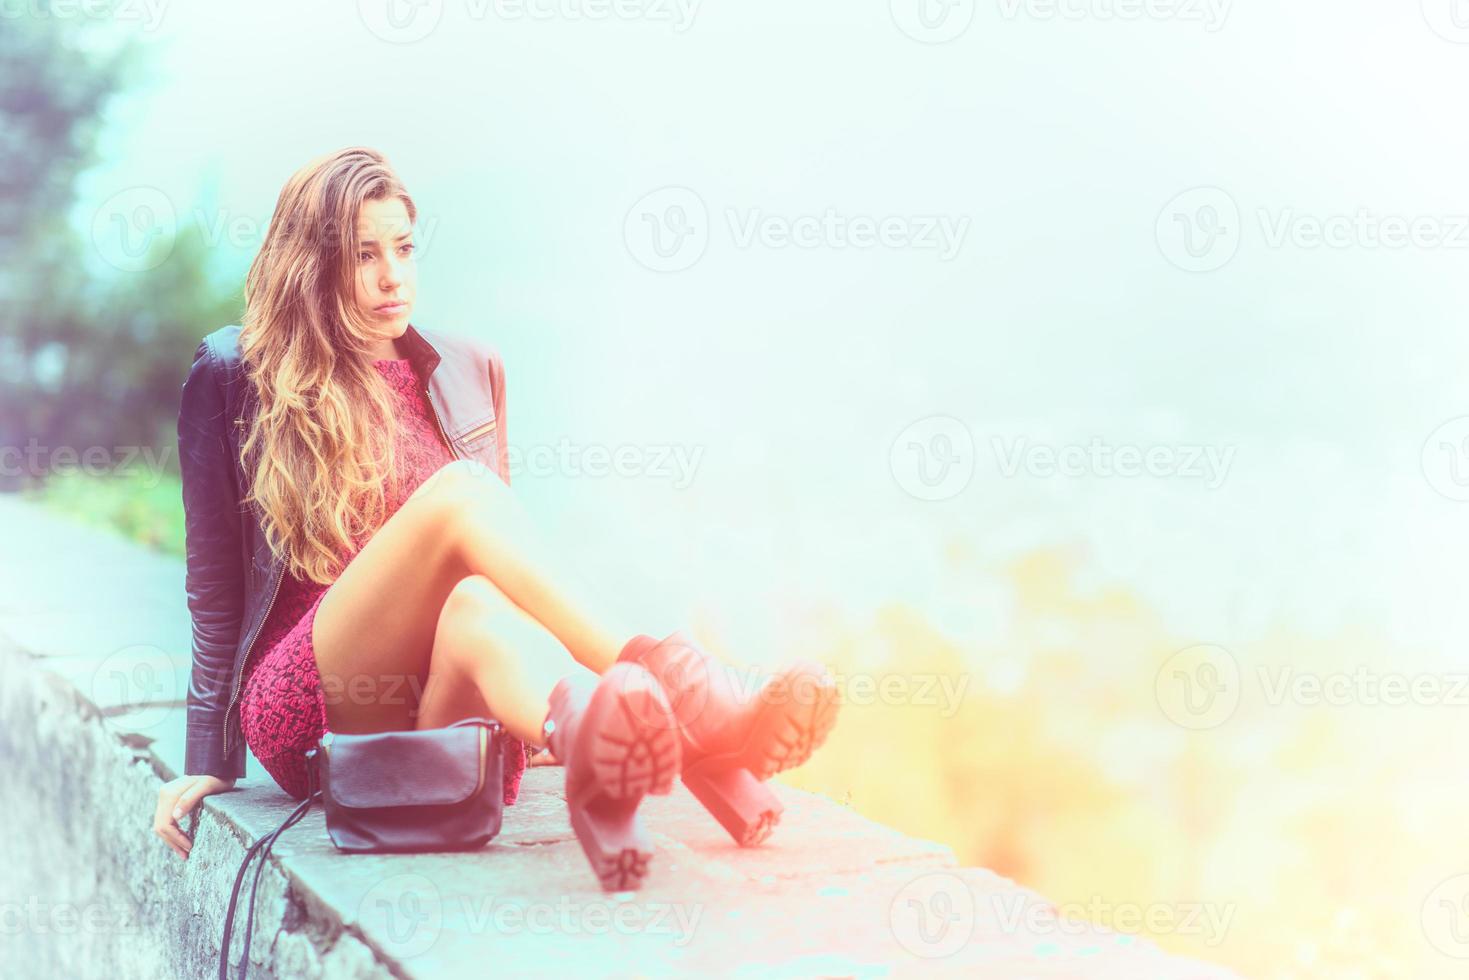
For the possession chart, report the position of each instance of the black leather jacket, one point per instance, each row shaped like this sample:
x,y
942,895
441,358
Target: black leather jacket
x,y
232,577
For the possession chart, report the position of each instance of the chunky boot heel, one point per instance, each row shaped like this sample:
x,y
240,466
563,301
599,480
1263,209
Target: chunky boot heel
x,y
616,843
618,741
744,806
733,740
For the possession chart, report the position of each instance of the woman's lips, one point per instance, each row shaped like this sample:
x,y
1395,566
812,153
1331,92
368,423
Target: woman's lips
x,y
393,309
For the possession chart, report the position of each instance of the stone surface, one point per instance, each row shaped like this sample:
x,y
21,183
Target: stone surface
x,y
93,666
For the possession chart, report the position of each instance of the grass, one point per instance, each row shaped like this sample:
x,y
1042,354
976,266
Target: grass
x,y
146,507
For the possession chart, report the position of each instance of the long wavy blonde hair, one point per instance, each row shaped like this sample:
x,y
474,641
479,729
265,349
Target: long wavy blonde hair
x,y
319,450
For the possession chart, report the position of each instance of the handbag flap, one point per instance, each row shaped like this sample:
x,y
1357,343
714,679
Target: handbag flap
x,y
432,767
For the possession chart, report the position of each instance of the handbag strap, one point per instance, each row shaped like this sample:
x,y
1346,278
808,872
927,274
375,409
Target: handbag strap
x,y
264,844
262,847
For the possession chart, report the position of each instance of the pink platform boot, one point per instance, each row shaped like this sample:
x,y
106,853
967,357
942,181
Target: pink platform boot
x,y
734,735
617,738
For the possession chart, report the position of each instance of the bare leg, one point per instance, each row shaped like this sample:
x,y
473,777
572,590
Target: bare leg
x,y
491,658
376,626
490,533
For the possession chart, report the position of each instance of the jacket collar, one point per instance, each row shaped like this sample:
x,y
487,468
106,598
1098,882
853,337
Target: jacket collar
x,y
424,355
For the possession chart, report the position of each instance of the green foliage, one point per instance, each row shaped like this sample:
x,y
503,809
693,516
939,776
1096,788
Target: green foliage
x,y
55,80
84,361
144,507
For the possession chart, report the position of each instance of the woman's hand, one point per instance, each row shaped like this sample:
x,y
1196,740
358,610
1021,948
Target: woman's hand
x,y
176,800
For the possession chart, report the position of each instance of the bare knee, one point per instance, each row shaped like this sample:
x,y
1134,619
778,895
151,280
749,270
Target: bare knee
x,y
470,476
476,597
460,490
475,606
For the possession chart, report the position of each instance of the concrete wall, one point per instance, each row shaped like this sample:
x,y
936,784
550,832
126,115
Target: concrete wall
x,y
92,892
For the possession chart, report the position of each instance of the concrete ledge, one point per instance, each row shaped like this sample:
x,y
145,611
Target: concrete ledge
x,y
93,663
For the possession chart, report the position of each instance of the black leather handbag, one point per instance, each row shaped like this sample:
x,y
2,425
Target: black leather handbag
x,y
435,789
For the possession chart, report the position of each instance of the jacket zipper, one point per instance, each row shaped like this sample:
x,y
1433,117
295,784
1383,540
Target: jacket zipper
x,y
240,673
434,408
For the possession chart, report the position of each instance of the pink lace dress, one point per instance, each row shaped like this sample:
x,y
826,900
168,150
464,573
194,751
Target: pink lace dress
x,y
282,704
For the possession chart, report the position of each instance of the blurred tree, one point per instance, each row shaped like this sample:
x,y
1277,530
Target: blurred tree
x,y
53,86
83,361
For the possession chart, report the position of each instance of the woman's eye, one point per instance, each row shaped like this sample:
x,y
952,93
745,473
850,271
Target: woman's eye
x,y
364,256
406,248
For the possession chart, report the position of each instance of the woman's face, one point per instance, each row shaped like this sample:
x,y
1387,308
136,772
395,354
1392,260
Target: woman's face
x,y
387,277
